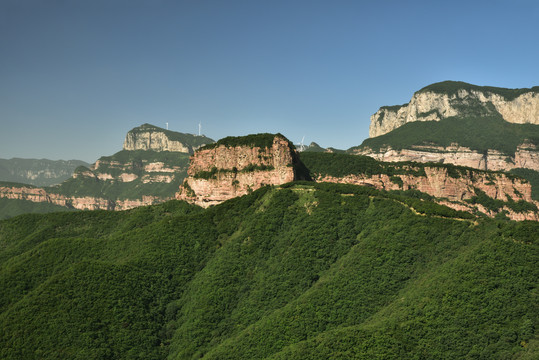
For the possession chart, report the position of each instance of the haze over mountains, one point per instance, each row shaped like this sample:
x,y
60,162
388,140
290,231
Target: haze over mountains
x,y
273,253
446,123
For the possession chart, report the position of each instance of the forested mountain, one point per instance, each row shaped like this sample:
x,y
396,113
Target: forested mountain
x,y
298,271
148,170
453,122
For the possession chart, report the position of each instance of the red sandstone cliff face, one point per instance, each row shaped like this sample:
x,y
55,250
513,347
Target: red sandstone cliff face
x,y
76,202
438,183
221,173
452,191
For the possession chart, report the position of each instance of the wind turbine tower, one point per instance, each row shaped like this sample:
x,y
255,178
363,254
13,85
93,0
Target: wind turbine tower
x,y
199,128
167,125
302,147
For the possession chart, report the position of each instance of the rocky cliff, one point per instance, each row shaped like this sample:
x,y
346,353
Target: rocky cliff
x,y
41,195
458,187
448,99
526,156
236,166
150,137
127,179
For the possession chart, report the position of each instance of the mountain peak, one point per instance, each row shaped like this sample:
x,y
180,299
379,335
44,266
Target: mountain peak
x,y
151,137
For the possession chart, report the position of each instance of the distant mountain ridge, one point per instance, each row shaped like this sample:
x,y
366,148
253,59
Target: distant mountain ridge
x,y
38,172
148,171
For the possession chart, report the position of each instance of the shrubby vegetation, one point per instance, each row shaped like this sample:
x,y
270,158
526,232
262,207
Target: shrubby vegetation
x,y
263,140
13,207
532,176
135,161
213,172
340,165
495,205
452,88
301,271
479,133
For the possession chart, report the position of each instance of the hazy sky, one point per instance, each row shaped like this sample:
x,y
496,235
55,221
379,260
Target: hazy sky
x,y
76,75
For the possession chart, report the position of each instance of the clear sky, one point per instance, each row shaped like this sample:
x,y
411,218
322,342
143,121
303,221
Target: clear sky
x,y
76,75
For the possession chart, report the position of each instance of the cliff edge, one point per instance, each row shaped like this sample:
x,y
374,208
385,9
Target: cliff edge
x,y
235,166
453,98
151,137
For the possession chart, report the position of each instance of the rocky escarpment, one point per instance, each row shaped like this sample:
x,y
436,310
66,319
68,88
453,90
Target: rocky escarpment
x,y
236,166
448,99
40,195
458,187
150,137
127,179
526,156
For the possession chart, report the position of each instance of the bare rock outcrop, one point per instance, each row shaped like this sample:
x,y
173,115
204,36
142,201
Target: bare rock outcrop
x,y
433,103
526,156
224,171
150,137
450,190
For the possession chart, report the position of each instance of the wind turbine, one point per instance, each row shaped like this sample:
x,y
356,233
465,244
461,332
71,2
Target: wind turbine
x,y
302,147
167,125
199,128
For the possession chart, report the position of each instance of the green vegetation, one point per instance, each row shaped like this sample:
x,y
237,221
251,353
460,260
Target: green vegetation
x,y
392,108
16,184
302,271
479,133
186,139
495,205
213,172
13,207
452,88
314,147
127,162
340,165
532,176
263,140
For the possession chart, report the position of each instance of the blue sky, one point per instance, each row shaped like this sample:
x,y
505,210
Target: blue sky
x,y
76,75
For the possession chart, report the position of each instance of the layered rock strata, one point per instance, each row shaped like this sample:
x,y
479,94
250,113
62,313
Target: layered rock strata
x,y
432,105
150,137
34,194
450,190
526,156
224,172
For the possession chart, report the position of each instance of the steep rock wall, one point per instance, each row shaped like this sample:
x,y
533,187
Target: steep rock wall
x,y
153,140
438,183
526,156
76,202
221,173
434,106
150,137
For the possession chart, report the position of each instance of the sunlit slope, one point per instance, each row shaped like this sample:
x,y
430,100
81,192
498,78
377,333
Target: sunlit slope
x,y
299,271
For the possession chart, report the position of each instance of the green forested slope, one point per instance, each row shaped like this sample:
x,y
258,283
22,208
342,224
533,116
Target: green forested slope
x,y
301,271
13,207
479,133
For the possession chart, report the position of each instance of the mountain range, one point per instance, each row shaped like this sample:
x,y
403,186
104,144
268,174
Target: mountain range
x,y
404,247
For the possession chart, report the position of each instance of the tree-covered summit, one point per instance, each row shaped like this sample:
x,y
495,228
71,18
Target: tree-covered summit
x,y
261,140
452,87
